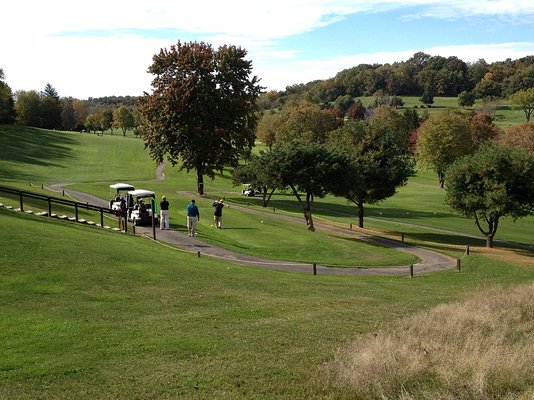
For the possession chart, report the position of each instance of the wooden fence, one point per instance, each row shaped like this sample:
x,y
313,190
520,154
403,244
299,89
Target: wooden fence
x,y
22,195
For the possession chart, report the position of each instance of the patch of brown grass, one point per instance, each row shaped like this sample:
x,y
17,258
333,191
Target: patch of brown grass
x,y
480,349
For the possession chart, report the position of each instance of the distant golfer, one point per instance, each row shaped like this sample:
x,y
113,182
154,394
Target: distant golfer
x,y
164,213
193,216
217,213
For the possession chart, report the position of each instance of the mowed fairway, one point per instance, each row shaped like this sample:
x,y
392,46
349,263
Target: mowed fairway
x,y
88,313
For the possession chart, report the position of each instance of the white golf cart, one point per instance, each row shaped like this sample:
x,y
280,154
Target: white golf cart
x,y
250,191
140,207
121,192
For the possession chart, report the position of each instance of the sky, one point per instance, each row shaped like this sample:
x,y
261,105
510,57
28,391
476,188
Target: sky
x,y
104,47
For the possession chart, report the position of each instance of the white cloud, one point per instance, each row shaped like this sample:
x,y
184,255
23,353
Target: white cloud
x,y
83,50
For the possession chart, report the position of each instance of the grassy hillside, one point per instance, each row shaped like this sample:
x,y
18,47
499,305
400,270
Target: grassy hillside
x,y
89,313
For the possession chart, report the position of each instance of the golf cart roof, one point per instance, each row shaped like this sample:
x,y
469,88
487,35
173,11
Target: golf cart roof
x,y
122,186
142,193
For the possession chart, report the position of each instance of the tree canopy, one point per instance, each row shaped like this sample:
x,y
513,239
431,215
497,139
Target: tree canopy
x,y
201,112
494,182
443,138
309,169
521,136
379,162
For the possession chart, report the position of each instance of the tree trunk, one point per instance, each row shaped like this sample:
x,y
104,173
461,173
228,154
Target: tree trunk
x,y
306,207
200,179
493,224
360,215
441,177
309,219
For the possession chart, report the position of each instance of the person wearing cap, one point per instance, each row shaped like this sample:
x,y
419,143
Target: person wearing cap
x,y
217,213
164,214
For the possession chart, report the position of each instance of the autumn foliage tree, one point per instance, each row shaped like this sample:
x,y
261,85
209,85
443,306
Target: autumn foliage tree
x,y
521,135
201,112
305,122
441,140
483,129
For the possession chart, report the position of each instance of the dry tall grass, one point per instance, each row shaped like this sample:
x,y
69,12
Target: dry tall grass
x,y
480,349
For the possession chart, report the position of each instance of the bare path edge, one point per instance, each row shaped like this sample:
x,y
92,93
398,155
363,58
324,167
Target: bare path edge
x,y
431,261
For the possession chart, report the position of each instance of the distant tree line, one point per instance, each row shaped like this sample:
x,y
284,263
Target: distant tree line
x,y
46,109
422,75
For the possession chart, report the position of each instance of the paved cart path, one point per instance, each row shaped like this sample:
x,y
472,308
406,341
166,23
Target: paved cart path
x,y
429,260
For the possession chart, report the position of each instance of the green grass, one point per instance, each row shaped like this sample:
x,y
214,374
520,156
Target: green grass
x,y
89,313
42,156
505,115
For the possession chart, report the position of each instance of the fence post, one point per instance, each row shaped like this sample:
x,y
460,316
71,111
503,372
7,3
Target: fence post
x,y
21,202
350,226
459,265
467,250
411,270
402,237
49,207
314,268
102,217
198,254
76,211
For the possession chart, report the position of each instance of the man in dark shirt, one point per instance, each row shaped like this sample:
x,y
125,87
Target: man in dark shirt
x,y
164,213
217,213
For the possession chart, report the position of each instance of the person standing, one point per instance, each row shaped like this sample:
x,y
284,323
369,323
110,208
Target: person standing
x,y
193,216
121,214
217,213
164,213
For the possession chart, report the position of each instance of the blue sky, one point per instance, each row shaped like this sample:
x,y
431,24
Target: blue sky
x,y
104,47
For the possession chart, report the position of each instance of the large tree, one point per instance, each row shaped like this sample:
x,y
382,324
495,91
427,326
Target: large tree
x,y
201,113
310,170
379,162
442,139
494,182
524,100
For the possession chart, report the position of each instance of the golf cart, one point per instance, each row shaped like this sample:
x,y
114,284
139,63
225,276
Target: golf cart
x,y
250,191
140,207
121,190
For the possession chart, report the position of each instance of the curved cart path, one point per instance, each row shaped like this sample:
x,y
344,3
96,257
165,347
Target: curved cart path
x,y
429,260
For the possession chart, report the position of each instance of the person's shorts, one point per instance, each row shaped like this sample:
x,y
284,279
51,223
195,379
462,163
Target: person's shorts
x,y
192,222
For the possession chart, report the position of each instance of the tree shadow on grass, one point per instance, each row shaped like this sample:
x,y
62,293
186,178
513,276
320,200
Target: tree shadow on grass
x,y
34,146
459,240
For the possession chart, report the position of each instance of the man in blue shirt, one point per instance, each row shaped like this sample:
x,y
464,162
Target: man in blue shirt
x,y
193,216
